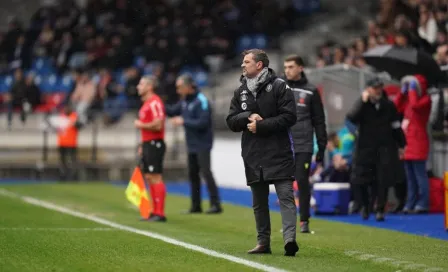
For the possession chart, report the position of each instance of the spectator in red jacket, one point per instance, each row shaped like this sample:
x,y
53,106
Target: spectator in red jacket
x,y
415,104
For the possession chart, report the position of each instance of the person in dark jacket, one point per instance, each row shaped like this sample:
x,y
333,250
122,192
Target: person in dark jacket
x,y
263,109
379,143
24,94
193,112
310,120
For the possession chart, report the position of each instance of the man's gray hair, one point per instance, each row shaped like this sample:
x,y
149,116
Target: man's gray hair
x,y
188,80
150,79
259,55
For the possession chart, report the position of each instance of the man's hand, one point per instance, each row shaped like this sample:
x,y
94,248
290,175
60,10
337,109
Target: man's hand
x,y
405,88
255,117
252,126
365,96
138,124
140,150
177,121
320,157
401,153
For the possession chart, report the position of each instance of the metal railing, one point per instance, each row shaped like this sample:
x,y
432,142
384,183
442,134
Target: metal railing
x,y
342,85
29,149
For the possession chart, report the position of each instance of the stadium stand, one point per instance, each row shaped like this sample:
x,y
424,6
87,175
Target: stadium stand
x,y
46,51
421,24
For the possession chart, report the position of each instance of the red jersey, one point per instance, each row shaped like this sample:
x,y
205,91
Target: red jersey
x,y
151,110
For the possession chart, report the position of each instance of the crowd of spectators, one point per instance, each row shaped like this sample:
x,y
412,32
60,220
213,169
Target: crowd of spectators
x,y
113,42
405,23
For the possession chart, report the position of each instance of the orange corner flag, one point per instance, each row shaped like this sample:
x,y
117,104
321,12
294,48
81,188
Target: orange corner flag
x,y
137,194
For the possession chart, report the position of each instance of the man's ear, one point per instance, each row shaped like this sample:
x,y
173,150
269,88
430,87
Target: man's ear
x,y
259,65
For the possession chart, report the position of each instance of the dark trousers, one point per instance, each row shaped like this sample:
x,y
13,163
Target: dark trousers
x,y
200,163
400,186
23,114
68,157
366,194
303,163
288,210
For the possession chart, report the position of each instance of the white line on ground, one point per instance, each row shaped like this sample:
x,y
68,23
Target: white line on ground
x,y
392,262
54,207
55,229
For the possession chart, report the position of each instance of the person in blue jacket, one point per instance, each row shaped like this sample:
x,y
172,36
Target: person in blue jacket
x,y
193,112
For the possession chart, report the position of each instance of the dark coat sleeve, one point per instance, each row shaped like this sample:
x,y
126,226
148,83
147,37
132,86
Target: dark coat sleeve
x,y
173,110
286,110
397,131
318,120
355,113
237,119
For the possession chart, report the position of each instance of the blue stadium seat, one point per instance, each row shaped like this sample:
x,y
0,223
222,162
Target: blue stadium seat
x,y
306,6
259,41
186,70
147,70
139,62
43,66
243,43
9,80
120,77
47,84
6,82
65,83
201,78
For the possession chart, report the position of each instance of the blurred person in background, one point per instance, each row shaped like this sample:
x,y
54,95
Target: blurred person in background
x,y
24,94
151,123
340,148
194,113
310,120
68,143
83,95
263,108
379,143
114,98
415,104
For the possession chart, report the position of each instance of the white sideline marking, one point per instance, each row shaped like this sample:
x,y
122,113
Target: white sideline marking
x,y
153,235
393,262
58,229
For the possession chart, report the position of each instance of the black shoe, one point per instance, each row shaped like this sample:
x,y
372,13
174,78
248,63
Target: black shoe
x,y
192,211
304,227
365,213
214,210
291,248
398,209
157,218
259,249
380,217
149,217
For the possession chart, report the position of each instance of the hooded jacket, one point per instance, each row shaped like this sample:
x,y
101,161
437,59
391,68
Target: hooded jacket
x,y
268,154
416,108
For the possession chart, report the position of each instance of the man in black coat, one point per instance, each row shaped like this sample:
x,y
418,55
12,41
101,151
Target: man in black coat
x,y
379,142
310,120
263,109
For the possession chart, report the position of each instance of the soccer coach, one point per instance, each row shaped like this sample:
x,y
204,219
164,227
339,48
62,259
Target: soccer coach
x,y
193,112
310,120
263,109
